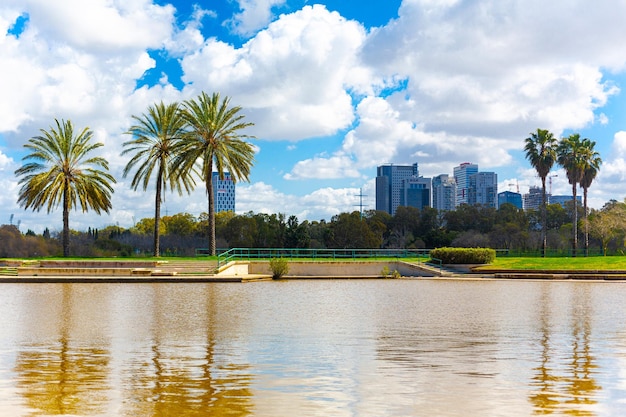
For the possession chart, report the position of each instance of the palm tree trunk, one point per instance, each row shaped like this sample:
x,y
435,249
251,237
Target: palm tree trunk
x,y
211,213
157,214
66,221
544,221
586,224
574,222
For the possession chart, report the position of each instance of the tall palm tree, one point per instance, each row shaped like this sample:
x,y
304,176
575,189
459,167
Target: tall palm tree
x,y
592,166
572,156
215,142
61,171
540,150
156,136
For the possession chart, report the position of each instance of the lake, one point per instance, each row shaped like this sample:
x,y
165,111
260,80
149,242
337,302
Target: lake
x,y
411,347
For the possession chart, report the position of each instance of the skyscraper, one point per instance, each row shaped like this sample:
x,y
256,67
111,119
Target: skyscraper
x,y
532,200
416,192
401,185
483,189
223,192
444,192
462,175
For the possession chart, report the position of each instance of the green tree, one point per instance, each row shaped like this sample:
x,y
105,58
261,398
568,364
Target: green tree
x,y
572,154
350,231
156,136
62,171
608,224
215,140
241,231
541,152
180,224
591,168
297,235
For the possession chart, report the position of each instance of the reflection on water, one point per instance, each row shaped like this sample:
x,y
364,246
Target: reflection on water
x,y
565,381
340,348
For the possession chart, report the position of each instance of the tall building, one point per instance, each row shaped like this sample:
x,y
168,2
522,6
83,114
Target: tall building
x,y
532,200
223,192
417,192
462,175
511,198
401,185
444,192
483,189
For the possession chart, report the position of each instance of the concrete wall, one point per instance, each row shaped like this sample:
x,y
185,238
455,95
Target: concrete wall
x,y
341,269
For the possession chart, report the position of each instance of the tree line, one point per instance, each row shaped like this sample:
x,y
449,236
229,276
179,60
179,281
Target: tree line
x,y
507,228
174,144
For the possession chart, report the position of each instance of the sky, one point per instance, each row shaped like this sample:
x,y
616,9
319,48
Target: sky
x,y
334,88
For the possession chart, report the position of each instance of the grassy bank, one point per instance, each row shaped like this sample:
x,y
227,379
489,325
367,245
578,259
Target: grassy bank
x,y
600,263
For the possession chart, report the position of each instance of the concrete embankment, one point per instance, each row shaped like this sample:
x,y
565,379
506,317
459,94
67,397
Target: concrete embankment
x,y
201,271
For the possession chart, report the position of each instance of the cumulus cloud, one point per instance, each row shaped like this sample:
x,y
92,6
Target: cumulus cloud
x,y
254,15
292,78
338,166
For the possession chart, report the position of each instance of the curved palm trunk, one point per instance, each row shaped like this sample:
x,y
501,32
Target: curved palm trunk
x,y
66,221
574,222
157,214
544,220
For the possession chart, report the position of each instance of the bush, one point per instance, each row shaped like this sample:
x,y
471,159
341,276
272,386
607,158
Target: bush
x,y
279,267
464,255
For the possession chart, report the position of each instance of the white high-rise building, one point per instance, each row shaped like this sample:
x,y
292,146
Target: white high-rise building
x,y
483,189
444,193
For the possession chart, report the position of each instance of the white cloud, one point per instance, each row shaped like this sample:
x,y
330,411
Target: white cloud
x,y
102,25
337,166
613,170
292,78
319,204
254,15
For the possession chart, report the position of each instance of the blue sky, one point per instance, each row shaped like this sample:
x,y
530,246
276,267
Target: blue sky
x,y
335,88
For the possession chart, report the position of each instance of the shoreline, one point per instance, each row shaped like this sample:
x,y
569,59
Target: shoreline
x,y
205,271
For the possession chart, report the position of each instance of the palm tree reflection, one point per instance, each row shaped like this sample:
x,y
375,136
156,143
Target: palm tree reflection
x,y
185,379
64,378
564,381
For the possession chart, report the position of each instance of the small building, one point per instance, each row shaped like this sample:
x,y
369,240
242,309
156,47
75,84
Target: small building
x,y
511,198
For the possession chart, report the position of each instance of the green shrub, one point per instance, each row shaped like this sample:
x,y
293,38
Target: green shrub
x,y
279,267
464,255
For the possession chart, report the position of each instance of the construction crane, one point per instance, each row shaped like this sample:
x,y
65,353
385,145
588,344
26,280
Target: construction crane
x,y
550,181
516,185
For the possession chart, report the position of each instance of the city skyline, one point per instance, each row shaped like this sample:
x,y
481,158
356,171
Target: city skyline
x,y
335,89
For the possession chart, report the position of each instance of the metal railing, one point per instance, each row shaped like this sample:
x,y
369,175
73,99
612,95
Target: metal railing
x,y
294,253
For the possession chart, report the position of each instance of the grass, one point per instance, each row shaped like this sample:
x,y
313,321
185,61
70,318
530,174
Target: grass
x,y
599,263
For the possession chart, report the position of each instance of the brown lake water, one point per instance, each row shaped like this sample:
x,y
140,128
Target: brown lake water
x,y
314,348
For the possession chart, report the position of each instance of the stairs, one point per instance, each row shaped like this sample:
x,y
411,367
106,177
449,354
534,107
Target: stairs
x,y
187,267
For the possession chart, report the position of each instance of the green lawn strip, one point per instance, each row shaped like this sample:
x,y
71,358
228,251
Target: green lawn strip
x,y
592,263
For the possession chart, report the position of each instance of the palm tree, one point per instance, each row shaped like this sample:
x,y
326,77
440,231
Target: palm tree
x,y
592,166
62,172
215,141
541,152
572,156
156,136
